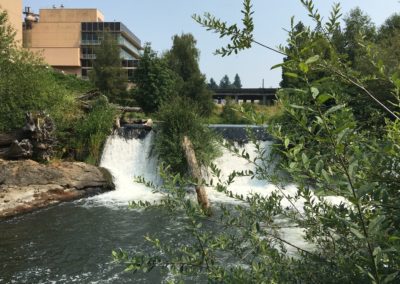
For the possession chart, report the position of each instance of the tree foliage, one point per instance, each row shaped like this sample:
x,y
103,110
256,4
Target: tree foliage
x,y
213,85
107,73
27,85
183,59
155,82
237,83
180,117
326,150
225,83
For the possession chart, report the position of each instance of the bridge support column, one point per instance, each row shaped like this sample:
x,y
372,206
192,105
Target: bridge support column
x,y
264,100
237,99
252,101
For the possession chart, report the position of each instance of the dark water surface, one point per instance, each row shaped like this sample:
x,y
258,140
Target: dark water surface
x,y
72,243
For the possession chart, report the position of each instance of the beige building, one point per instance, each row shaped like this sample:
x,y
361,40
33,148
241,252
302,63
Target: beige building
x,y
67,38
14,10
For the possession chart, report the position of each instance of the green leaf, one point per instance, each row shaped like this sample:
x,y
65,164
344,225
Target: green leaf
x,y
304,158
323,98
334,108
278,65
341,135
319,166
312,59
352,166
357,233
287,141
314,92
290,74
374,226
303,67
297,106
325,175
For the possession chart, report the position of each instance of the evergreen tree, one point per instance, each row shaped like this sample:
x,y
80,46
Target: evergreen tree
x,y
389,43
107,74
212,85
225,83
237,84
359,28
154,81
183,59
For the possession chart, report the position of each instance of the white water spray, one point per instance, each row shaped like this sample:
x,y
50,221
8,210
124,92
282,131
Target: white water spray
x,y
127,159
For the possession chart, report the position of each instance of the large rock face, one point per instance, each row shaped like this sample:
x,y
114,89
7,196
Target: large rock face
x,y
28,185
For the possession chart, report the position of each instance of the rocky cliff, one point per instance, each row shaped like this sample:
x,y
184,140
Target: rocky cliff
x,y
27,185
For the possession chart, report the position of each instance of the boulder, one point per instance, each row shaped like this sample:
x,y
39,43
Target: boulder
x,y
27,185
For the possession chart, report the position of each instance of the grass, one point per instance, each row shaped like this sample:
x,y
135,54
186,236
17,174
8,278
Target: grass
x,y
245,113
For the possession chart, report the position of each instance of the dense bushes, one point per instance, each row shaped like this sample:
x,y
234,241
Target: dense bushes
x,y
180,117
27,84
92,131
346,175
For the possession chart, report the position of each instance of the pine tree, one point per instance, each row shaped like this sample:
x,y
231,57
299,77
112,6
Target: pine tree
x,y
107,73
237,84
225,83
212,85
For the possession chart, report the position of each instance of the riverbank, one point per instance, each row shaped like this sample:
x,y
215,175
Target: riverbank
x,y
26,185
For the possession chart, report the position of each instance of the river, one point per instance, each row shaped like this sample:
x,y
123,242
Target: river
x,y
72,242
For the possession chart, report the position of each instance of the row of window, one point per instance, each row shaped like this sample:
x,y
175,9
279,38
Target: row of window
x,y
100,26
88,63
129,73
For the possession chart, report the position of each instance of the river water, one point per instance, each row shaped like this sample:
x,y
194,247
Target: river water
x,y
72,242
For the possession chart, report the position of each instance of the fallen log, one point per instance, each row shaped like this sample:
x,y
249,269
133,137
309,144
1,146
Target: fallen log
x,y
128,109
90,95
195,173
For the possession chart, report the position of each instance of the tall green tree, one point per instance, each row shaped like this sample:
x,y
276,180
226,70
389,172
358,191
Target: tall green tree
x,y
225,82
359,28
388,41
237,83
183,59
212,85
155,82
107,73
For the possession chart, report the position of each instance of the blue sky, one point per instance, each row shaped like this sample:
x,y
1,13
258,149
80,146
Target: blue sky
x,y
156,21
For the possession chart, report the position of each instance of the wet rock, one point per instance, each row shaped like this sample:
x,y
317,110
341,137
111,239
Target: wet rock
x,y
27,185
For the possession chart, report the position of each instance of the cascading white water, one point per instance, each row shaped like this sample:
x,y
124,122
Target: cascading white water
x,y
127,159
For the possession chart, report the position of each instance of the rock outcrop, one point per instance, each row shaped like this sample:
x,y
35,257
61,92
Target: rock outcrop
x,y
27,185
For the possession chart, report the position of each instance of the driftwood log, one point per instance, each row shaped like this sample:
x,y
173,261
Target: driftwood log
x,y
195,173
34,140
95,94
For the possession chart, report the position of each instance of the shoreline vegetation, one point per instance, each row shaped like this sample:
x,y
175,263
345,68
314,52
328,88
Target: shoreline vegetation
x,y
336,128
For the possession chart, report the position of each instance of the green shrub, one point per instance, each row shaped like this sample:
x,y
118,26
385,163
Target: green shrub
x,y
180,117
92,131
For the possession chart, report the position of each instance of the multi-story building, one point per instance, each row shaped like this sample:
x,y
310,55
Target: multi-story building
x,y
14,9
67,38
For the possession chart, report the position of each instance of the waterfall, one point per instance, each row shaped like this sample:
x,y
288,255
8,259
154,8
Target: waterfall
x,y
128,158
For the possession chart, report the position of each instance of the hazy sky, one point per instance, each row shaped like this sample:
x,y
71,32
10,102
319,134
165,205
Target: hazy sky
x,y
156,21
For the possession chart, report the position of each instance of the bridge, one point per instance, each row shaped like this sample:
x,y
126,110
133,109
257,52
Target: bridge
x,y
262,95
